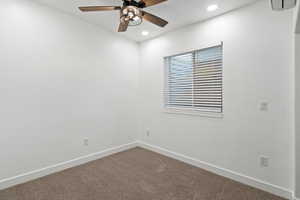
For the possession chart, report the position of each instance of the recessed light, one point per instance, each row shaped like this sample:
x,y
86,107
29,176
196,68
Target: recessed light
x,y
145,33
212,7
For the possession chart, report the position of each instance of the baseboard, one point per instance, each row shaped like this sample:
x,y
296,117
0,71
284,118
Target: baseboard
x,y
22,178
268,187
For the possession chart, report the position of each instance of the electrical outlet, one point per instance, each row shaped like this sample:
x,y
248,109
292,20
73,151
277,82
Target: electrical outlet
x,y
86,142
264,106
148,133
264,161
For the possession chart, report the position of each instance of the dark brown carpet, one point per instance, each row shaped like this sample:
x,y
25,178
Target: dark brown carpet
x,y
136,174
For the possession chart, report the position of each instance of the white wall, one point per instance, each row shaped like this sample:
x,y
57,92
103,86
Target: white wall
x,y
258,66
55,70
297,99
61,80
297,113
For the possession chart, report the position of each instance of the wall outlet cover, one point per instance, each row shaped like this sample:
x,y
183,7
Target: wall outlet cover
x,y
264,106
86,142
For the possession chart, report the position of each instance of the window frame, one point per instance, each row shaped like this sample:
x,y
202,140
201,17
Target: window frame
x,y
193,110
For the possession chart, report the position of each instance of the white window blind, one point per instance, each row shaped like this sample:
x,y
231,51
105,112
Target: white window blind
x,y
194,80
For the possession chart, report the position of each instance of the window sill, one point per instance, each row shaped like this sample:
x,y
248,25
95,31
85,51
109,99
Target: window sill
x,y
192,112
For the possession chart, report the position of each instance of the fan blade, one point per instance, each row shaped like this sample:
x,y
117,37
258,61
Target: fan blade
x,y
154,19
99,8
123,26
152,2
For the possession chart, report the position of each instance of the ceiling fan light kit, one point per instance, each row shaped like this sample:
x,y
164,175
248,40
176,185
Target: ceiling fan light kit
x,y
131,13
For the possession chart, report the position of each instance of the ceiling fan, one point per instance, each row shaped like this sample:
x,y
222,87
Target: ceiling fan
x,y
131,13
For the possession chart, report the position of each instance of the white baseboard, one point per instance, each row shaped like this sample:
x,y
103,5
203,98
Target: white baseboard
x,y
268,187
22,178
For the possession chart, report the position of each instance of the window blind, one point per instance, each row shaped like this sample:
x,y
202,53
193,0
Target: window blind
x,y
194,80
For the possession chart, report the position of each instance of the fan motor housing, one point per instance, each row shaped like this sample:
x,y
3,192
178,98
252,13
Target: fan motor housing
x,y
139,4
283,4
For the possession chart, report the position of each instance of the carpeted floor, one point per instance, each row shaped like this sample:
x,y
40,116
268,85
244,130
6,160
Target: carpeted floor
x,y
136,174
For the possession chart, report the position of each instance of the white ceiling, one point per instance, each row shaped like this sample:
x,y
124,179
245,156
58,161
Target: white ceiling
x,y
178,12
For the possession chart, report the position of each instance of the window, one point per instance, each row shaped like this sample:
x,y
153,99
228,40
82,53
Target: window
x,y
194,80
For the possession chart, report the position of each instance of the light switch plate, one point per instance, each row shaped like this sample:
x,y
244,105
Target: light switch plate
x,y
264,161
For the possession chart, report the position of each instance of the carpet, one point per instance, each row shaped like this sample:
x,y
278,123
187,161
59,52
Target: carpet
x,y
136,174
